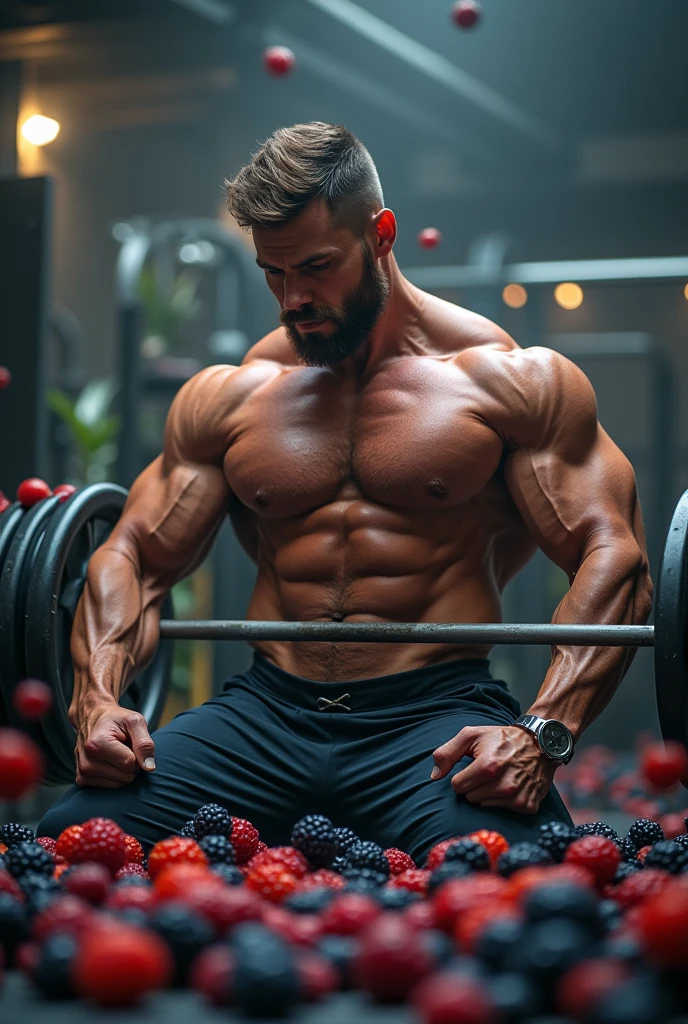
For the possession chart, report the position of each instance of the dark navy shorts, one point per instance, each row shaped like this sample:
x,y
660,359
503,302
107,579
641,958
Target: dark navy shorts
x,y
273,747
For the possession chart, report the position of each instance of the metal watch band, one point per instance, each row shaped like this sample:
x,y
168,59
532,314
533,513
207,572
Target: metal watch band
x,y
534,724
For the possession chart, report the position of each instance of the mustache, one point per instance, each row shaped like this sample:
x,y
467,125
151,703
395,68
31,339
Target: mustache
x,y
289,318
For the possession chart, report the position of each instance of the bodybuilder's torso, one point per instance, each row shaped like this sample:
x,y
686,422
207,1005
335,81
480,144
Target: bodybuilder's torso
x,y
375,499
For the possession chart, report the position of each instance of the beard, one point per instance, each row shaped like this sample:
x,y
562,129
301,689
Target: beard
x,y
353,322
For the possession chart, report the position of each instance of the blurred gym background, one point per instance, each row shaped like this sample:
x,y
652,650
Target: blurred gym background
x,y
548,145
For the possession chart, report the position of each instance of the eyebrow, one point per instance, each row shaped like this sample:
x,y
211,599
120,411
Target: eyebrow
x,y
298,266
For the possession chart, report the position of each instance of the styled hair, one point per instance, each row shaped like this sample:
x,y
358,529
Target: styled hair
x,y
299,164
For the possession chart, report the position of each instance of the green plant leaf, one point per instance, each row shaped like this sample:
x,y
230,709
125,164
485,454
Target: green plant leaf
x,y
95,399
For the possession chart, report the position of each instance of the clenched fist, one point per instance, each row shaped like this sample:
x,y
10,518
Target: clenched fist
x,y
508,768
113,744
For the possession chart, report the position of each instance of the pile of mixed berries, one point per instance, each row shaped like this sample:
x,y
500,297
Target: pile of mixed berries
x,y
580,921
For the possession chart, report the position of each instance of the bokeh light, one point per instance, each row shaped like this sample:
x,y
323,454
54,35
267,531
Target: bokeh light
x,y
515,296
568,295
39,130
685,291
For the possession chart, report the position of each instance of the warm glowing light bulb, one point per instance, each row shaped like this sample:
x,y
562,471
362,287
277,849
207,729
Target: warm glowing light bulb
x,y
39,130
685,291
569,295
515,295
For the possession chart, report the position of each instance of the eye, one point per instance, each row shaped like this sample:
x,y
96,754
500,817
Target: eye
x,y
272,273
319,266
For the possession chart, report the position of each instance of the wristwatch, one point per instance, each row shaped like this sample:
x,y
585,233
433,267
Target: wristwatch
x,y
554,739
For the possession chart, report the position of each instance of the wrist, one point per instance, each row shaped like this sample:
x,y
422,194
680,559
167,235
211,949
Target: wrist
x,y
570,721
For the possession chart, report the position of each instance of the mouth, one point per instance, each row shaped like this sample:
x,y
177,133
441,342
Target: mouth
x,y
310,325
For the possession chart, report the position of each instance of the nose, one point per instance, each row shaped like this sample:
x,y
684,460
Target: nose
x,y
296,295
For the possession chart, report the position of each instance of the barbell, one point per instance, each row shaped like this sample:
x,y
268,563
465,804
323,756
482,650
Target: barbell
x,y
44,555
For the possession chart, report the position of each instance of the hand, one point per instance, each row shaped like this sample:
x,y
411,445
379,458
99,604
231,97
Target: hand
x,y
113,743
508,769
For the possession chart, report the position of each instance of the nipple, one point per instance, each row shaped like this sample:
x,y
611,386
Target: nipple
x,y
437,489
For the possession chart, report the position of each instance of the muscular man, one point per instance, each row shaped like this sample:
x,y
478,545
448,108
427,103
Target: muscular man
x,y
384,456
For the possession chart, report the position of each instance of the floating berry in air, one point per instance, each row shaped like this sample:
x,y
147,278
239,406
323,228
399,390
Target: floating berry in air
x,y
279,61
466,13
429,238
5,378
663,764
21,764
32,699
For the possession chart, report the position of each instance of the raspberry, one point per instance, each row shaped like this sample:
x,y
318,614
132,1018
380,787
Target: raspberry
x,y
598,854
272,880
644,832
667,856
436,855
461,894
391,959
176,850
10,885
349,913
522,855
13,833
245,840
124,897
135,853
218,849
494,843
581,988
315,837
65,914
640,886
323,877
368,855
398,861
175,880
470,852
131,869
450,996
21,764
90,882
662,923
212,820
212,975
261,847
556,837
49,844
318,978
26,858
415,880
101,841
663,764
121,966
596,828
286,856
643,852
67,841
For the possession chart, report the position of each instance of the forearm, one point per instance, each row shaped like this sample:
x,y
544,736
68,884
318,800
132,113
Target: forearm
x,y
612,586
116,627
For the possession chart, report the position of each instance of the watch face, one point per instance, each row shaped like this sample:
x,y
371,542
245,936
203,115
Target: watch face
x,y
555,739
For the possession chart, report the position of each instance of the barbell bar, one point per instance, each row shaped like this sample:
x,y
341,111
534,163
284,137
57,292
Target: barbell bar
x,y
579,635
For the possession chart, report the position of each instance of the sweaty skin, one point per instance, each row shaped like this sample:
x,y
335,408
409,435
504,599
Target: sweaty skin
x,y
408,483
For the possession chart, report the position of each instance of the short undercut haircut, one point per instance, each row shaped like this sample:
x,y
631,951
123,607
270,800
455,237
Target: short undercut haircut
x,y
299,164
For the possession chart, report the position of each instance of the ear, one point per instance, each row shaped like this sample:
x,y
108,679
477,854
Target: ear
x,y
385,227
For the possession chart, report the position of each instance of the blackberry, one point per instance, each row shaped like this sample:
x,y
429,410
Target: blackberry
x,y
28,857
218,849
185,932
316,838
629,854
265,979
13,833
363,879
51,974
14,926
341,951
445,872
436,943
644,832
367,855
564,899
345,839
397,899
556,837
625,870
668,856
229,874
188,829
212,820
682,840
469,852
521,855
338,864
309,901
596,828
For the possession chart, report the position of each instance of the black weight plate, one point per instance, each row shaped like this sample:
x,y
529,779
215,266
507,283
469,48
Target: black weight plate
x,y
58,580
9,521
671,609
27,538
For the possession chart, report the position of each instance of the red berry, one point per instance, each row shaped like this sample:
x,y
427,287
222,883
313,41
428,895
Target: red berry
x,y
67,841
32,491
67,913
286,856
494,843
32,699
65,491
673,825
521,882
223,906
391,958
420,914
212,974
399,861
101,841
349,913
458,895
90,881
123,964
445,997
643,852
245,840
5,378
318,977
437,853
323,876
640,886
175,880
10,885
21,764
469,926
131,868
4,502
599,855
663,764
466,13
663,923
142,897
279,60
273,881
26,957
134,850
178,849
584,984
47,843
415,880
429,238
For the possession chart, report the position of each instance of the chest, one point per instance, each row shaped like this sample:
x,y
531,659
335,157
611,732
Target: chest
x,y
410,440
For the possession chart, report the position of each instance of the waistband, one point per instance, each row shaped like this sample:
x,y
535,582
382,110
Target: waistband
x,y
376,691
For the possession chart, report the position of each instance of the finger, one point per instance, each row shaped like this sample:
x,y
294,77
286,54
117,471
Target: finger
x,y
141,742
114,752
485,769
453,750
89,768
